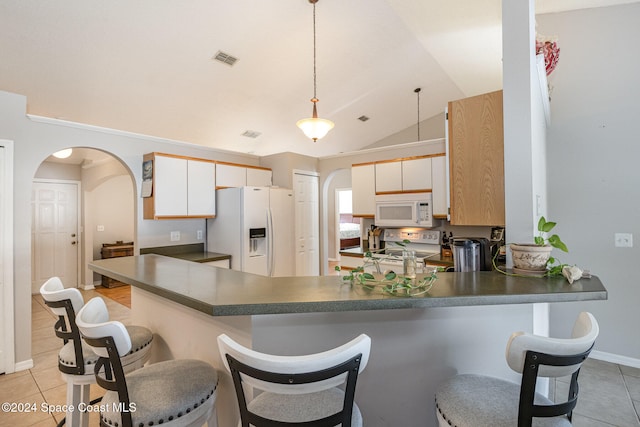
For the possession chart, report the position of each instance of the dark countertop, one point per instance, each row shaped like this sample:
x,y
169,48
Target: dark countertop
x,y
223,292
191,252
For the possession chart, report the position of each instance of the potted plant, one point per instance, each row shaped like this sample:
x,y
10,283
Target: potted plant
x,y
535,258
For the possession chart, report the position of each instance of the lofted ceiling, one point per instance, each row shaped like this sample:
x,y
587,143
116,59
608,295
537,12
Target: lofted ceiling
x,y
146,66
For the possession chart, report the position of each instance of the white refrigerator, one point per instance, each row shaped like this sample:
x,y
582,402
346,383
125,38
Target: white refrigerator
x,y
255,225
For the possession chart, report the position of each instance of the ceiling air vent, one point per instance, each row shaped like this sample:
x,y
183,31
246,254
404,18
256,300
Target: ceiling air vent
x,y
251,134
225,58
363,118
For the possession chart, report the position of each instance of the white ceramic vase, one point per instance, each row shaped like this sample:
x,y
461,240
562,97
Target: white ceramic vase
x,y
529,256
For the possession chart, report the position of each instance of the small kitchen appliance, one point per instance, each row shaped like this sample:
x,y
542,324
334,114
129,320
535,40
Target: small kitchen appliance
x,y
404,210
471,254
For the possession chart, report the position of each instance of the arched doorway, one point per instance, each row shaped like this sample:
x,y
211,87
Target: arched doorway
x,y
104,211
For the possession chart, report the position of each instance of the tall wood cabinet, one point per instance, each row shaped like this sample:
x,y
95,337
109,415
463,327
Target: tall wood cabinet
x,y
476,160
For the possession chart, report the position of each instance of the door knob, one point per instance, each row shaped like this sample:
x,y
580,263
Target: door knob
x,y
73,243
73,235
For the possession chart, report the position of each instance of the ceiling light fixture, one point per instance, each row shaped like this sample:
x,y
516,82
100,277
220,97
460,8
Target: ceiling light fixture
x,y
63,154
417,91
314,127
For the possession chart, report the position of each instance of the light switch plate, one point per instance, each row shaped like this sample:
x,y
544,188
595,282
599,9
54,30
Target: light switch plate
x,y
624,240
175,236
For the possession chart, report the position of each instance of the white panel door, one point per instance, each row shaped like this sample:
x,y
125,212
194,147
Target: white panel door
x,y
7,349
307,225
54,231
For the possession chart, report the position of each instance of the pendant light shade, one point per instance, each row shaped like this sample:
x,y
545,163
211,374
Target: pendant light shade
x,y
314,127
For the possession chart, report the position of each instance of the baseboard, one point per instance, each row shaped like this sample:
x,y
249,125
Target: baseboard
x,y
24,365
615,358
90,287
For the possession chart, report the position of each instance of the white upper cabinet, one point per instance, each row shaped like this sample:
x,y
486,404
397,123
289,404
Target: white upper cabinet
x,y
439,181
363,190
182,188
258,177
230,175
236,175
201,188
388,177
416,174
169,185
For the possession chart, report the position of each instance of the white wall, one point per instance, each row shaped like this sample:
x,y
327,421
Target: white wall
x,y
593,150
35,140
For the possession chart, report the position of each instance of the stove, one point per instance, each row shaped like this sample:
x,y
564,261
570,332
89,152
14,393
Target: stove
x,y
424,242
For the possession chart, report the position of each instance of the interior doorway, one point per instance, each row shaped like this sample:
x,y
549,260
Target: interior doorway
x,y
307,219
55,231
7,350
106,212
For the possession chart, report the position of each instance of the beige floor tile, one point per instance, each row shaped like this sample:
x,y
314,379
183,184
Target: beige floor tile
x,y
9,377
14,389
33,416
48,378
47,344
45,360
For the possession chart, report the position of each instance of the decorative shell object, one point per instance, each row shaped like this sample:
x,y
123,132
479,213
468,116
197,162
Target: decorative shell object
x,y
530,257
572,273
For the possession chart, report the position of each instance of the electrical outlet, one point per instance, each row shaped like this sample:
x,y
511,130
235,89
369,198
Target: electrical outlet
x,y
175,236
624,240
100,228
199,234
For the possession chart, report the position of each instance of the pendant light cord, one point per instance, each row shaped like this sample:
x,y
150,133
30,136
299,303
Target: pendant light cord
x,y
314,51
417,91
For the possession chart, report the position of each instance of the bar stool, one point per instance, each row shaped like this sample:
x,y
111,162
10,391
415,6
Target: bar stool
x,y
76,359
479,401
297,390
172,393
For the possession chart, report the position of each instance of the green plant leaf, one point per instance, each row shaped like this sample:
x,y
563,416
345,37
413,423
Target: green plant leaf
x,y
557,243
541,223
547,227
539,240
368,276
337,268
390,275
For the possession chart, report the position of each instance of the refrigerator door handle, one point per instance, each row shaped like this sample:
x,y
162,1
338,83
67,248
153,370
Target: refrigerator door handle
x,y
270,255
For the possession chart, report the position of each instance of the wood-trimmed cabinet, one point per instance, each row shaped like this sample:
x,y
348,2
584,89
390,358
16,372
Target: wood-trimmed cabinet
x,y
404,175
476,160
237,175
363,190
181,187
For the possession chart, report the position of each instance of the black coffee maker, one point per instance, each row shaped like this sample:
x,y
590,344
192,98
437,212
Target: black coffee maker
x,y
471,254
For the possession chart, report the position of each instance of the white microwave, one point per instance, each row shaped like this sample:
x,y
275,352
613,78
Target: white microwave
x,y
404,210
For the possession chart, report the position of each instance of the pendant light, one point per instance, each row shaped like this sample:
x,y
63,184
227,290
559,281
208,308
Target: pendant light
x,y
314,127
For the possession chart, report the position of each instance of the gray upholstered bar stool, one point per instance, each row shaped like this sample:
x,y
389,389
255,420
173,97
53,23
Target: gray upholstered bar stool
x,y
76,360
172,393
297,390
482,401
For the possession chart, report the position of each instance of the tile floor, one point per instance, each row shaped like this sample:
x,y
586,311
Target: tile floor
x,y
609,393
43,382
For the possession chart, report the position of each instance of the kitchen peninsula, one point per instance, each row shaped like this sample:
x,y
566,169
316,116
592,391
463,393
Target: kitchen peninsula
x,y
461,325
